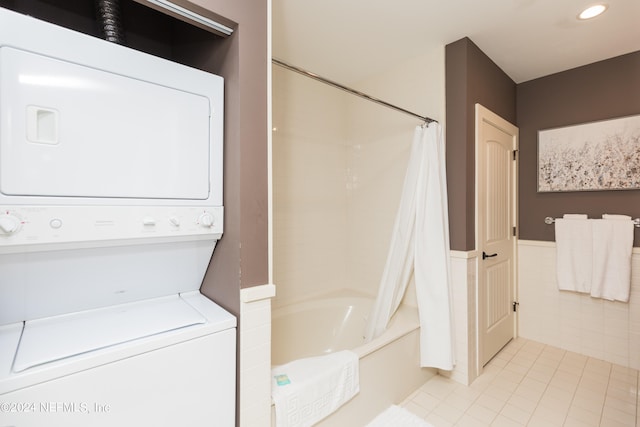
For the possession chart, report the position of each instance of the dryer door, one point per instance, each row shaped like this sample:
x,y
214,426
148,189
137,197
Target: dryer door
x,y
68,130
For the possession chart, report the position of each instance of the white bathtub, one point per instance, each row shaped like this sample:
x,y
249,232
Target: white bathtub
x,y
389,365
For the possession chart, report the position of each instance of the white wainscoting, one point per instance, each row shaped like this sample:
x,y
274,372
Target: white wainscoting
x,y
255,356
463,282
606,330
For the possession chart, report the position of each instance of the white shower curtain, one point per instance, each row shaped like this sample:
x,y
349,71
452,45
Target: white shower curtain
x,y
420,245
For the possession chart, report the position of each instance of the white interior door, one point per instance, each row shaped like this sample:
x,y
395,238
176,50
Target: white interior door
x,y
496,195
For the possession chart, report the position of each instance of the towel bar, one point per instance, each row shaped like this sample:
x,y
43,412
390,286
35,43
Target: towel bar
x,y
549,220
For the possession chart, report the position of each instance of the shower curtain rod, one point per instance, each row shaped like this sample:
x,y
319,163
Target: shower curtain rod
x,y
348,89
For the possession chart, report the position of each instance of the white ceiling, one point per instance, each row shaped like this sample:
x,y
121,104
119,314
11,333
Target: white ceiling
x,y
347,40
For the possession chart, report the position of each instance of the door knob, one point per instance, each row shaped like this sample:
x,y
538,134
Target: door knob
x,y
485,255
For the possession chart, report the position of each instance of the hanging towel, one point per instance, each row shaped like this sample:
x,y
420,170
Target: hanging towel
x,y
307,390
574,253
612,248
395,416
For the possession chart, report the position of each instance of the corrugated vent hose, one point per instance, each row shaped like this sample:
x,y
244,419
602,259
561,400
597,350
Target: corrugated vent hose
x,y
108,15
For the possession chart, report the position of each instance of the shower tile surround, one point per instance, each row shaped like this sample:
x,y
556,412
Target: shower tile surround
x,y
338,167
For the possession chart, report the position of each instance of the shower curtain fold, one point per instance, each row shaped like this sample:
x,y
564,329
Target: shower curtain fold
x,y
420,245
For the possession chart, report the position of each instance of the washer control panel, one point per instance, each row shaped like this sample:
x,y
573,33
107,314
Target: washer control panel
x,y
38,225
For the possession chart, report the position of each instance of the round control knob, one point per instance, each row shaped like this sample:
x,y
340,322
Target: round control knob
x,y
9,224
206,220
55,223
175,221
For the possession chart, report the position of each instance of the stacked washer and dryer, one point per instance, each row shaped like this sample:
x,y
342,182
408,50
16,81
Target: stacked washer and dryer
x,y
110,209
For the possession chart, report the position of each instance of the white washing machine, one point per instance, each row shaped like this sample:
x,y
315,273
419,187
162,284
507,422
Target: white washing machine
x,y
168,361
110,210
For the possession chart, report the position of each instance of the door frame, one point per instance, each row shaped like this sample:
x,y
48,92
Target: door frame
x,y
484,114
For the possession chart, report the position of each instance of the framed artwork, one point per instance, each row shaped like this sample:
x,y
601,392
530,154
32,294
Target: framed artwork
x,y
602,155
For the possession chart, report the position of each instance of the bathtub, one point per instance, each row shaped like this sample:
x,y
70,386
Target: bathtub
x,y
389,365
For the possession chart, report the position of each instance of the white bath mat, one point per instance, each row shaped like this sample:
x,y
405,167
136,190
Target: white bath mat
x,y
395,416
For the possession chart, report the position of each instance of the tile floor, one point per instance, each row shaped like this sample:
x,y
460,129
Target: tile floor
x,y
532,384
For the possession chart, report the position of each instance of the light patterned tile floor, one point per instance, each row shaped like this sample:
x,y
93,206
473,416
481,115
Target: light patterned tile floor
x,y
536,385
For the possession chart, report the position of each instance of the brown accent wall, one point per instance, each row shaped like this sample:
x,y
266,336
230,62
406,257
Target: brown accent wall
x,y
241,257
471,77
599,91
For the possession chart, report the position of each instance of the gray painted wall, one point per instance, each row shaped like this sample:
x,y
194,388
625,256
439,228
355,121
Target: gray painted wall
x,y
599,91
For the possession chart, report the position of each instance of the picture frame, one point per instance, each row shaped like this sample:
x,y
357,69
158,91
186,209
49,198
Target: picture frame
x,y
595,156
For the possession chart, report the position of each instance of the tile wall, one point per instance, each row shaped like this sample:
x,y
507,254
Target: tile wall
x,y
606,330
255,356
338,167
463,282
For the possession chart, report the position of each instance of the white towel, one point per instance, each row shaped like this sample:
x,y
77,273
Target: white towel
x,y
395,416
307,390
612,248
609,216
574,254
574,216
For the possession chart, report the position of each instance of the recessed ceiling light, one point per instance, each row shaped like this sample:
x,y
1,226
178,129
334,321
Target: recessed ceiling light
x,y
592,11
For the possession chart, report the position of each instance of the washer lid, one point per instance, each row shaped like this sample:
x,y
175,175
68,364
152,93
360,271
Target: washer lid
x,y
54,338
